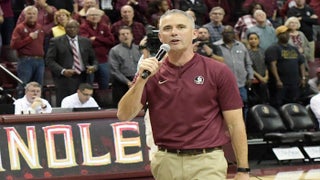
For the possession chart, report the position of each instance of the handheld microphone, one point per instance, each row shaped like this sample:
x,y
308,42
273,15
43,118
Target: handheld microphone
x,y
164,48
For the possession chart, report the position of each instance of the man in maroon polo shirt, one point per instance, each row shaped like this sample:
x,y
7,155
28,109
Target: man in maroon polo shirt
x,y
127,14
194,106
27,39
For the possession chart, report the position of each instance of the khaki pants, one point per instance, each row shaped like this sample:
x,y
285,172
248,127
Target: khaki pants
x,y
208,166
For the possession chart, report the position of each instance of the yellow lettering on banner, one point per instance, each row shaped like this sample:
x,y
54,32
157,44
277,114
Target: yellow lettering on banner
x,y
16,145
88,159
121,143
53,161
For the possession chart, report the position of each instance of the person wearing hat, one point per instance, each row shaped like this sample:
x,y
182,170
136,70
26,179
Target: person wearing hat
x,y
287,69
313,82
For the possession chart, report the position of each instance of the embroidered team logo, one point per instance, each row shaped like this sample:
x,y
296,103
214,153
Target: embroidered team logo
x,y
198,80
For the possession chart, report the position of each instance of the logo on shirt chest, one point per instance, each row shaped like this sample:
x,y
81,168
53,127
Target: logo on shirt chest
x,y
198,80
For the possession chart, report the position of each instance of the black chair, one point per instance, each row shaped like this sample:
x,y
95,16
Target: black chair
x,y
297,119
268,121
313,117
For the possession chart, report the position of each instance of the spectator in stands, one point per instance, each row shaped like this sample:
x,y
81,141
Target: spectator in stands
x,y
108,7
82,98
237,58
287,69
193,15
315,104
155,10
71,59
45,15
314,81
286,6
198,7
140,9
6,28
65,4
45,19
298,39
102,41
205,47
227,6
28,39
32,103
138,29
307,19
266,33
82,14
315,5
124,59
61,17
247,21
215,25
259,87
79,4
270,7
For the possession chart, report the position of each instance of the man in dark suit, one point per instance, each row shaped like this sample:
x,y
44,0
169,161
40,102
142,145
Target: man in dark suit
x,y
71,60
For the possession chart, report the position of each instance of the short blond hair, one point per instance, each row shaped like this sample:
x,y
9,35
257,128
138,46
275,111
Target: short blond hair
x,y
292,19
59,12
32,84
30,8
94,9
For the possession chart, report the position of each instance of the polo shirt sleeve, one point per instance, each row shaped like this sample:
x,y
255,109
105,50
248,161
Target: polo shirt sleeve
x,y
228,92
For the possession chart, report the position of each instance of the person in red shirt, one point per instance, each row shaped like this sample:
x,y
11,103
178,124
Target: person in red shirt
x,y
138,29
102,41
27,39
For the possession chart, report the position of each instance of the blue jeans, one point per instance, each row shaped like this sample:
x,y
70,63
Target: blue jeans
x,y
102,75
244,96
29,69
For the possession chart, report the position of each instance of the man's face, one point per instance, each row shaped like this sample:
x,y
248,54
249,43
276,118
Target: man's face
x,y
127,13
94,16
216,16
31,16
260,16
84,95
203,34
33,92
72,28
228,34
89,3
178,31
300,2
125,36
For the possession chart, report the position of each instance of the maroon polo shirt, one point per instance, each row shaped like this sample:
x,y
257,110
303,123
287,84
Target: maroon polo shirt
x,y
186,103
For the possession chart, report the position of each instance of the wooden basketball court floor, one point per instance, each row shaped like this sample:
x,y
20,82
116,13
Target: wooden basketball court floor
x,y
293,171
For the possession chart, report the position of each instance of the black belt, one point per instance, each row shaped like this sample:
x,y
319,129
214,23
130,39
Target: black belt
x,y
31,57
189,152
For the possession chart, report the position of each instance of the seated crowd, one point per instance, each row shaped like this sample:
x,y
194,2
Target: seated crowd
x,y
270,54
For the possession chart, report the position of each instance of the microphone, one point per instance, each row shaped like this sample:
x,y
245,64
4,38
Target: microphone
x,y
164,48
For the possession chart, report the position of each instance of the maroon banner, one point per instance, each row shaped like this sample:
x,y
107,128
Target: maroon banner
x,y
38,146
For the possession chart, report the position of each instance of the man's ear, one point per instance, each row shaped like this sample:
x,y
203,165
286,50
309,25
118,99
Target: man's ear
x,y
195,34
